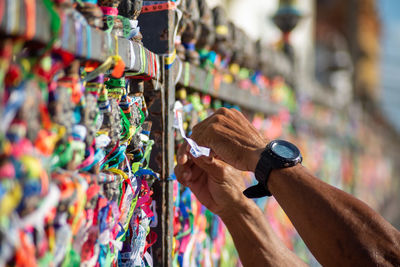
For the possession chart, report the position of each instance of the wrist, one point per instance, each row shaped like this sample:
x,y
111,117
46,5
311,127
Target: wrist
x,y
254,158
276,183
232,212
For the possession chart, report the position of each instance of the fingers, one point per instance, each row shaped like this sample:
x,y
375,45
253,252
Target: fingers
x,y
222,173
230,136
212,166
183,174
223,118
230,113
214,118
182,154
186,171
190,171
183,168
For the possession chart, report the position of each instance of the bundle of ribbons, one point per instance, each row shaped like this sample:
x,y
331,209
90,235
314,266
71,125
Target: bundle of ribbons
x,y
75,182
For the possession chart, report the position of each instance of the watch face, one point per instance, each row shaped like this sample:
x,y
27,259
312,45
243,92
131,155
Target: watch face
x,y
285,150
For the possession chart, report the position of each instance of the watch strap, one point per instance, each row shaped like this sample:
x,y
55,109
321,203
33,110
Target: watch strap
x,y
262,172
256,191
269,160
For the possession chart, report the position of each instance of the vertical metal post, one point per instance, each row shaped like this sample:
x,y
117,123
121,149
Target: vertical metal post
x,y
160,111
169,148
169,163
157,28
155,101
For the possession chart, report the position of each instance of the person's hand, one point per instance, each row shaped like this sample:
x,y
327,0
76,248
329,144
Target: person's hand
x,y
231,137
217,185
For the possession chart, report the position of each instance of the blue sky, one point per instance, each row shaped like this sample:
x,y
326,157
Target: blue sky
x,y
390,60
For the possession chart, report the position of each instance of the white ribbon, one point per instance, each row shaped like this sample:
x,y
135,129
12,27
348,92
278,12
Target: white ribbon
x,y
102,141
133,23
132,56
180,70
195,149
149,259
188,253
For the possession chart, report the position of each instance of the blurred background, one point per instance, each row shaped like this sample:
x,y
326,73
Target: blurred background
x,y
346,61
322,74
389,13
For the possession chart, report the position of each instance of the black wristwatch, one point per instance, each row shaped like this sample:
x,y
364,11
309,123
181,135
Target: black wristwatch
x,y
277,154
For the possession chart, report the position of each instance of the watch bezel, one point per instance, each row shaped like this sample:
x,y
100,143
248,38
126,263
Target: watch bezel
x,y
270,160
285,162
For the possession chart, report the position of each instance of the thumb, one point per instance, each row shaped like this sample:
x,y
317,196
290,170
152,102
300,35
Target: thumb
x,y
211,165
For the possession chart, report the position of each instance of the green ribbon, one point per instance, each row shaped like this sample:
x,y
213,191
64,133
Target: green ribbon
x,y
116,90
109,23
72,259
112,82
46,260
126,26
55,23
147,152
125,125
188,231
142,118
186,79
65,152
106,65
207,83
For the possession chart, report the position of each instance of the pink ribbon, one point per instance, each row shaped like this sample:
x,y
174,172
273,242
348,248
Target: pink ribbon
x,y
109,11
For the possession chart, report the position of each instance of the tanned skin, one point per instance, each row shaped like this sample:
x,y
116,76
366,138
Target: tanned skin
x,y
339,229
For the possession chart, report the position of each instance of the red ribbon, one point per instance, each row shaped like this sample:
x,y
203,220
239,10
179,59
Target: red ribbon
x,y
30,13
158,7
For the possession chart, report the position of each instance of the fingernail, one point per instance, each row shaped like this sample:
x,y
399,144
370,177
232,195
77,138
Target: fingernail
x,y
182,159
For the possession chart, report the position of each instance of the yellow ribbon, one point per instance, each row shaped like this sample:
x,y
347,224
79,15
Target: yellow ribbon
x,y
170,58
221,30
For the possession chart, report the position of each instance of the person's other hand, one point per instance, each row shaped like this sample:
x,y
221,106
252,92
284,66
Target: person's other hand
x,y
217,185
231,137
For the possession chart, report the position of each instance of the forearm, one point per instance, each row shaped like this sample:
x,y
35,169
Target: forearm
x,y
339,229
254,239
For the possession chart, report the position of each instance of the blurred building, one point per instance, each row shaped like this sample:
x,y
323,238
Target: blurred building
x,y
350,31
390,59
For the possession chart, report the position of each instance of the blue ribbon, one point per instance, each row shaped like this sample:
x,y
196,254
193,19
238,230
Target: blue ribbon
x,y
118,155
90,1
98,156
89,41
